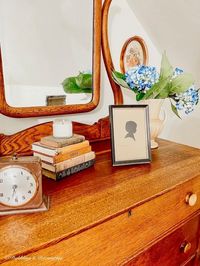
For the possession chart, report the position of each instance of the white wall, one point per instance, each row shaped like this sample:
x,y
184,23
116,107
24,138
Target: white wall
x,y
174,26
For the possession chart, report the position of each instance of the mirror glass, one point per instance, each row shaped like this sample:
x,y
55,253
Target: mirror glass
x,y
47,51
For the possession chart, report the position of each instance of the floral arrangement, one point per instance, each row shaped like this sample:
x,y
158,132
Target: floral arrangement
x,y
171,83
82,83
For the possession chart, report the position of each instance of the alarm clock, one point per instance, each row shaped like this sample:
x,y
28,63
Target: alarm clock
x,y
21,185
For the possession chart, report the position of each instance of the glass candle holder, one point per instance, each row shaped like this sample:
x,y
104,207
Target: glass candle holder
x,y
62,128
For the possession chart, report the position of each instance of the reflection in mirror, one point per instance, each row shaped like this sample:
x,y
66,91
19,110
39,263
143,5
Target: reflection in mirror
x,y
47,51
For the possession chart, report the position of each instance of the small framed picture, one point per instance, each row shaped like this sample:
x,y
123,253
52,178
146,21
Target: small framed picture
x,y
134,52
130,134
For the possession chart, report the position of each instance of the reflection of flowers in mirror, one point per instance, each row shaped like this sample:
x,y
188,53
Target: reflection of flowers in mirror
x,y
170,83
82,83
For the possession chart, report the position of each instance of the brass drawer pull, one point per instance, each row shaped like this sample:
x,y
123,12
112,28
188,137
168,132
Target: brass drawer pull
x,y
191,199
185,247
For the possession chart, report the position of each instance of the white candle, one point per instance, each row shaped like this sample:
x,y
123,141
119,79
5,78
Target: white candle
x,y
62,128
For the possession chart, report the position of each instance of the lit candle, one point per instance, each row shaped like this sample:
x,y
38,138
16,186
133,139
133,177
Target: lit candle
x,y
62,128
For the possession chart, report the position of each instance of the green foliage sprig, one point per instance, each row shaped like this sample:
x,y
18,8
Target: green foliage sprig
x,y
81,83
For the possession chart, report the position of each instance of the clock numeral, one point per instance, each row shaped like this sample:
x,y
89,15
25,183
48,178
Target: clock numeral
x,y
1,180
23,197
27,178
22,173
16,199
1,194
31,184
29,192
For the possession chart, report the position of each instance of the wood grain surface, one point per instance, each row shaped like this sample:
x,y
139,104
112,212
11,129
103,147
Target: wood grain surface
x,y
99,195
163,251
21,142
126,235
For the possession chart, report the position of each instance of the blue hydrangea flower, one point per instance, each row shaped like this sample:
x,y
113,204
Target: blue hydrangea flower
x,y
177,71
187,100
141,78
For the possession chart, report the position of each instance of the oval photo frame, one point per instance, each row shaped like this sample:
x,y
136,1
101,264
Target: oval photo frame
x,y
134,52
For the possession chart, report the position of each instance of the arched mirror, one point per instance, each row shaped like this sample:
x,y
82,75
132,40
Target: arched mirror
x,y
50,56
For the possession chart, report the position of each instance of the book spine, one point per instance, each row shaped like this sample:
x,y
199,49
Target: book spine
x,y
48,166
68,163
36,147
44,158
68,142
73,170
73,147
62,157
74,161
49,151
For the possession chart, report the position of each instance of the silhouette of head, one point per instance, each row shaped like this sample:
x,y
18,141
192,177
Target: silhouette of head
x,y
131,128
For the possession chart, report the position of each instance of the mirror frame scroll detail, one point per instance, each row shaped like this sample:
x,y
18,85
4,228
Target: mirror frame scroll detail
x,y
23,112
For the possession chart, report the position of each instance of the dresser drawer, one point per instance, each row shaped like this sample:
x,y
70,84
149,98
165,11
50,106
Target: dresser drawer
x,y
192,262
129,233
173,250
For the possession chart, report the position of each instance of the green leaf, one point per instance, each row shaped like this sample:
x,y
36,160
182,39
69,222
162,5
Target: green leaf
x,y
156,89
84,81
140,96
175,110
118,75
120,81
164,93
166,70
181,83
70,86
80,84
87,90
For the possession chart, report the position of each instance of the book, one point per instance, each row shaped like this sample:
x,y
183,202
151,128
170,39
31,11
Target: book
x,y
51,141
68,163
69,171
44,149
62,156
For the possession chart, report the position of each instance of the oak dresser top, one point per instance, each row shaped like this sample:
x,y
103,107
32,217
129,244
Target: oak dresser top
x,y
95,195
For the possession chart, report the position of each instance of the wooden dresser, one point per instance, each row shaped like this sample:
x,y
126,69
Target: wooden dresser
x,y
131,215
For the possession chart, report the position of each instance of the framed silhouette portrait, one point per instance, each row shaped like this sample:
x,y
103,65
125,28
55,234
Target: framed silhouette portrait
x,y
134,52
130,134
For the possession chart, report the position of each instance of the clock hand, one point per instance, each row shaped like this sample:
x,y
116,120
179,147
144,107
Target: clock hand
x,y
14,190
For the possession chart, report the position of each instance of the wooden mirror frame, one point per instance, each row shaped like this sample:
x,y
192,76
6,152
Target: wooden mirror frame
x,y
117,92
63,109
21,142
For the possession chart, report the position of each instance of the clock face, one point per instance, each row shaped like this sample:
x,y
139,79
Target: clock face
x,y
17,186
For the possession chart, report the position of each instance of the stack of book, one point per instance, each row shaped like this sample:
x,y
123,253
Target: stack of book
x,y
62,157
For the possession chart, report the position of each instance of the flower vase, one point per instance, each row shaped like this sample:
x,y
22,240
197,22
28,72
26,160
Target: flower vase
x,y
156,119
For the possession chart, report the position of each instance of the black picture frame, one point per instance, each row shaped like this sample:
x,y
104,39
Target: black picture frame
x,y
130,134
